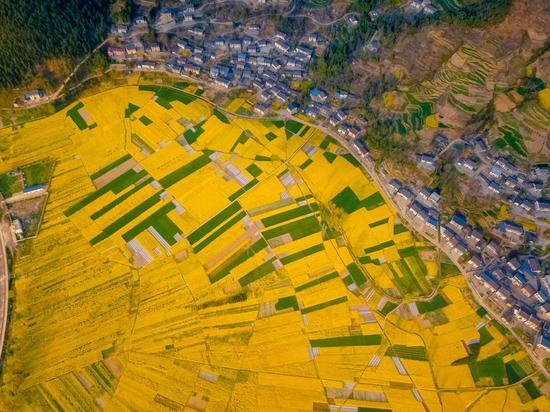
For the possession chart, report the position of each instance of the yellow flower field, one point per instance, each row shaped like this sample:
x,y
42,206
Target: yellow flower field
x,y
191,259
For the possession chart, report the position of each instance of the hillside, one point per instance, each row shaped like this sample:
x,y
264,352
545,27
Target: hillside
x,y
32,31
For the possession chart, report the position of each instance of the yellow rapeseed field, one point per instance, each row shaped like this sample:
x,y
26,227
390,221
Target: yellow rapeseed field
x,y
191,259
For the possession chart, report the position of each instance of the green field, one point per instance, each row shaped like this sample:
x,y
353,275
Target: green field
x,y
408,352
438,302
347,200
214,222
356,340
315,282
324,305
116,185
184,171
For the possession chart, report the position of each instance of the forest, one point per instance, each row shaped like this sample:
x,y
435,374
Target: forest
x,y
32,31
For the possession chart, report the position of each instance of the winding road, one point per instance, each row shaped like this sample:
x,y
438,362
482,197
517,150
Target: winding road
x,y
4,289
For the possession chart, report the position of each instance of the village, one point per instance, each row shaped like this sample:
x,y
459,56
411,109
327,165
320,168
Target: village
x,y
500,263
499,260
243,59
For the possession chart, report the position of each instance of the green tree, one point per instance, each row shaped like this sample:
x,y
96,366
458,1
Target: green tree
x,y
32,31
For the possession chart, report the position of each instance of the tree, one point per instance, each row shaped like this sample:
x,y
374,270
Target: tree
x,y
32,31
447,181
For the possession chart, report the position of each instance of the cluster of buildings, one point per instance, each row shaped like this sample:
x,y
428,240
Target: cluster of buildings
x,y
497,177
513,282
244,58
500,178
31,98
423,6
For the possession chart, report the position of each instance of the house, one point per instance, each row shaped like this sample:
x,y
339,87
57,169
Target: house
x,y
293,108
426,161
511,229
543,342
222,82
324,109
196,32
165,17
527,290
265,45
131,50
354,132
33,96
429,9
254,28
541,296
458,221
373,46
394,185
140,21
544,310
542,208
533,265
424,195
282,46
235,45
304,50
337,117
343,129
459,249
276,64
432,223
474,237
474,263
146,66
542,172
17,228
495,172
341,94
315,38
439,142
153,48
352,20
174,67
247,41
405,194
183,44
492,248
504,164
466,166
479,144
187,16
116,52
375,13
119,29
221,70
418,210
318,95
261,108
527,206
494,188
487,281
535,188
192,69
434,198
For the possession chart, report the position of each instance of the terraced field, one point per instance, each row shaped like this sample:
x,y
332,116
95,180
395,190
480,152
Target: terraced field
x,y
460,89
193,261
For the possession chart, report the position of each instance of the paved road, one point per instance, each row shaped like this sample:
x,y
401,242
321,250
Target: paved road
x,y
3,292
